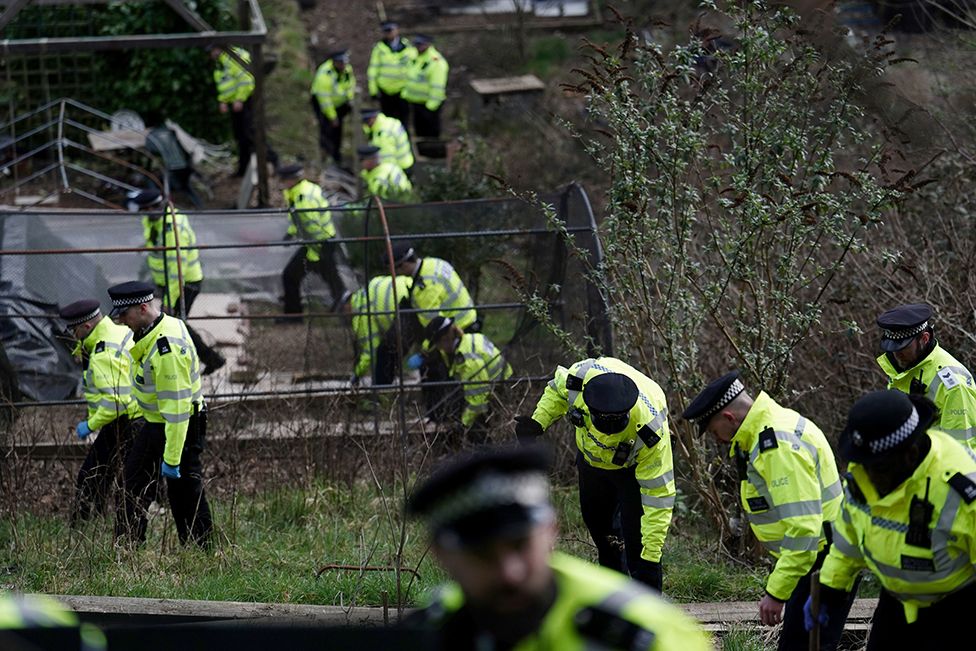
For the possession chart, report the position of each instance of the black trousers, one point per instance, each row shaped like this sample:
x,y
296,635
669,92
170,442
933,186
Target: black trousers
x,y
602,493
426,123
445,401
186,495
940,626
101,467
242,125
330,137
208,356
297,268
794,636
395,106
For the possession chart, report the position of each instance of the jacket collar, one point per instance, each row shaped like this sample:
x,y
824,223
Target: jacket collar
x,y
745,437
888,366
911,486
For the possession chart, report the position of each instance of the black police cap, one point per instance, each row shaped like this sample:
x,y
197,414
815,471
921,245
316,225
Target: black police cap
x,y
369,113
144,198
422,39
883,422
289,172
389,25
716,395
437,328
367,151
610,393
134,292
340,55
80,311
901,324
491,494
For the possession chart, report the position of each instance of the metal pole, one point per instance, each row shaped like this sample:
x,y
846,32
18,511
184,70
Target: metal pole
x,y
815,610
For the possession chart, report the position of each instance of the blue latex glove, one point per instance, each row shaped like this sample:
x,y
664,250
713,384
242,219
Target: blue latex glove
x,y
173,472
414,361
82,430
808,614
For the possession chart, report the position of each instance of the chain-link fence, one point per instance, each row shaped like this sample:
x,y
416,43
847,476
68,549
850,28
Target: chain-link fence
x,y
285,391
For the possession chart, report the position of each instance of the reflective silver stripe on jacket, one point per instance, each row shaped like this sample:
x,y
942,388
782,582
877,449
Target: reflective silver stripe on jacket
x,y
787,510
657,482
801,544
658,502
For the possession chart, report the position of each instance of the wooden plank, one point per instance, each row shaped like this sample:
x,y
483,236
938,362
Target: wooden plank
x,y
502,85
112,140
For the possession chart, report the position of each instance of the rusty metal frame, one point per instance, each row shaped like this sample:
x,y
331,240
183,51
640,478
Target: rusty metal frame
x,y
253,34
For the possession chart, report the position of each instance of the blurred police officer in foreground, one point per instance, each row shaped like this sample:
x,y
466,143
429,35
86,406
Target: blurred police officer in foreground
x,y
166,384
493,529
104,349
21,613
624,459
789,490
916,364
910,518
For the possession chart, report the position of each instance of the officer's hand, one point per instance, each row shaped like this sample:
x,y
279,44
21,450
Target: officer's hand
x,y
415,361
822,617
82,430
238,106
527,429
223,107
335,124
770,610
173,472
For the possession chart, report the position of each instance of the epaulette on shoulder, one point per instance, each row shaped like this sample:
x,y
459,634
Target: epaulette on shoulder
x,y
965,486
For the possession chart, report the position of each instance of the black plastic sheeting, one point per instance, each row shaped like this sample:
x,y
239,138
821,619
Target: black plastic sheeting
x,y
34,286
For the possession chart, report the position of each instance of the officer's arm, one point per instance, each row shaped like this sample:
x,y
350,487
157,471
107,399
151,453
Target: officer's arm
x,y
553,404
111,389
438,85
372,70
794,488
844,561
957,408
245,84
655,474
174,398
404,151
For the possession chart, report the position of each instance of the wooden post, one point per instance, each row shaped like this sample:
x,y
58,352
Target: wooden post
x,y
260,136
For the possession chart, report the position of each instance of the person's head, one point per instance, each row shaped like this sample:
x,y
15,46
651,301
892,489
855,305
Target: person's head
x,y
133,305
369,116
405,259
443,334
885,434
214,51
340,59
369,156
907,334
720,407
391,31
81,317
609,398
493,527
291,175
147,201
422,42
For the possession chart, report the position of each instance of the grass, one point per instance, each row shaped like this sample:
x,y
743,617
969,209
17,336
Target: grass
x,y
274,543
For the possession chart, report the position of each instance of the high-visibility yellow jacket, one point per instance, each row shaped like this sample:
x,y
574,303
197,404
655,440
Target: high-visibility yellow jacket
x,y
947,383
387,181
478,361
373,316
106,380
874,532
166,380
647,434
234,82
789,488
162,264
332,88
438,291
310,217
623,605
25,611
427,82
387,69
389,135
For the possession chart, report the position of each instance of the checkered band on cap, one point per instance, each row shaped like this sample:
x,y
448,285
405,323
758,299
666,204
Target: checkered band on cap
x,y
891,440
78,320
906,333
489,491
129,301
734,389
